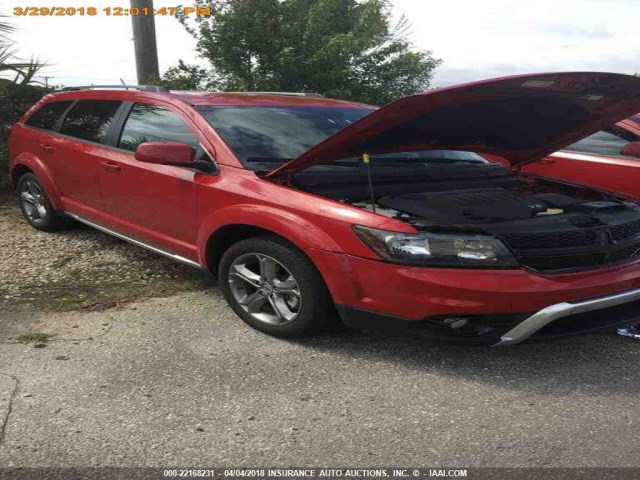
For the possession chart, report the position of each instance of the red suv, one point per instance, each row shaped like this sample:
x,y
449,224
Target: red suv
x,y
300,204
609,159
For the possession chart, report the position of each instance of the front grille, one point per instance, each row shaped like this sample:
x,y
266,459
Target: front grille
x,y
625,254
559,252
550,240
620,232
562,262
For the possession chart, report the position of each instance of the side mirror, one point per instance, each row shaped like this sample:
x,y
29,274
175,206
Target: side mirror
x,y
631,150
166,153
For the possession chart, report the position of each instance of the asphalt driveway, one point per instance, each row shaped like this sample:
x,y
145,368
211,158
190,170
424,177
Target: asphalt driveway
x,y
181,381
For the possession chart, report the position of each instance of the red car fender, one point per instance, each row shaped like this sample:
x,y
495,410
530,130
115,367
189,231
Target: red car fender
x,y
297,230
43,173
321,249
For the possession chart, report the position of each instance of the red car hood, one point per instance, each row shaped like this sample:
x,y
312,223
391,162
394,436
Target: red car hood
x,y
521,118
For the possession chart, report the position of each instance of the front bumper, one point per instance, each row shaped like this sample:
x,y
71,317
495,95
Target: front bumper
x,y
499,306
555,321
596,313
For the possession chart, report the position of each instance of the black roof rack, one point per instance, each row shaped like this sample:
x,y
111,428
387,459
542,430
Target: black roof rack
x,y
290,94
146,88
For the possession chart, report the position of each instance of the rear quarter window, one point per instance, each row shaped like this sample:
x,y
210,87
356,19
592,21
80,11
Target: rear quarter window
x,y
90,120
610,141
46,116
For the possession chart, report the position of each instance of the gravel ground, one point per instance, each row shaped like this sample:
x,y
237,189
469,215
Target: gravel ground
x,y
80,267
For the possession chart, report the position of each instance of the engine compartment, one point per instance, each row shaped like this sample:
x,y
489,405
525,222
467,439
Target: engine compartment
x,y
475,205
549,226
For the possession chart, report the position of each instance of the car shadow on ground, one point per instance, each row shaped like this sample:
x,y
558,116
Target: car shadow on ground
x,y
590,364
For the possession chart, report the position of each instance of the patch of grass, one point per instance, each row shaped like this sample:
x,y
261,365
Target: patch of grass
x,y
33,337
70,302
72,294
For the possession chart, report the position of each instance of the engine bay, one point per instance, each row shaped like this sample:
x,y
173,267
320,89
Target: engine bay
x,y
549,226
498,210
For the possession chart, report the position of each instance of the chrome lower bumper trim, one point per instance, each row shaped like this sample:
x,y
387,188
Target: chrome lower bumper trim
x,y
547,315
172,256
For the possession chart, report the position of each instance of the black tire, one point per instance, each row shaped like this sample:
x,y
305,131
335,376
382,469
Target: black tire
x,y
315,302
45,217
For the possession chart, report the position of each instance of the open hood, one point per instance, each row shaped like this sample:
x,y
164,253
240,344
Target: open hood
x,y
521,118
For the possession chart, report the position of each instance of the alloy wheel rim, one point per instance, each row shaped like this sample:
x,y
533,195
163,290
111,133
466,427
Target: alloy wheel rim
x,y
33,201
265,289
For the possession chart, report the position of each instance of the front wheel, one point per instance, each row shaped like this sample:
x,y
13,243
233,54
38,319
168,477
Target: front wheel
x,y
274,287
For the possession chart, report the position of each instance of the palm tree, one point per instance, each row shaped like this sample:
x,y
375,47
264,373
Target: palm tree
x,y
5,30
24,71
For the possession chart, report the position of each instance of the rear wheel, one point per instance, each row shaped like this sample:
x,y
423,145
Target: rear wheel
x,y
274,287
35,205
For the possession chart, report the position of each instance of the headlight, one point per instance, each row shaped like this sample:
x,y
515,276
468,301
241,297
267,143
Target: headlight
x,y
437,249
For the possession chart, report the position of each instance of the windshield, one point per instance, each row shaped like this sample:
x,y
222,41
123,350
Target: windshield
x,y
277,134
264,138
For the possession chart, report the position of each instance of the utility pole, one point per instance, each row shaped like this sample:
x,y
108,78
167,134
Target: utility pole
x,y
144,40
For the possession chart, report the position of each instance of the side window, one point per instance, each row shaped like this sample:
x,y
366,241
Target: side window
x,y
90,120
47,116
605,142
150,123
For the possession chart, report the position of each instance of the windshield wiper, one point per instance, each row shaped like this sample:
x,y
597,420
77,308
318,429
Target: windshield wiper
x,y
403,162
267,160
449,160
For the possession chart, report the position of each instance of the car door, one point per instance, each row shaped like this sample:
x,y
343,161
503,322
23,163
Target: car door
x,y
152,203
77,151
597,161
39,137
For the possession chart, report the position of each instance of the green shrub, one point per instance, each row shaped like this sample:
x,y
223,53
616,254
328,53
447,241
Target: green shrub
x,y
13,104
4,164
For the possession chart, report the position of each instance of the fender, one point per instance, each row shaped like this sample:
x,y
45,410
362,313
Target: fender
x,y
40,169
301,232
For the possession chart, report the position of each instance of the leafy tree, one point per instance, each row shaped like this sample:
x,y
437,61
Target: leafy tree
x,y
342,48
186,77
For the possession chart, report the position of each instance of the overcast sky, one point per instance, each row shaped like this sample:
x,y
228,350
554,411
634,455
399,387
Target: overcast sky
x,y
476,39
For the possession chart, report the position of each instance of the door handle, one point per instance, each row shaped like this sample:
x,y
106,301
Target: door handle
x,y
547,161
111,167
47,148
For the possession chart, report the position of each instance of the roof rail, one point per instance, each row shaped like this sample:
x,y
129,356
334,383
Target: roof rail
x,y
289,94
146,88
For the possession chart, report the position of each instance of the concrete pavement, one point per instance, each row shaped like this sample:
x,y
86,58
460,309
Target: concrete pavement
x,y
181,381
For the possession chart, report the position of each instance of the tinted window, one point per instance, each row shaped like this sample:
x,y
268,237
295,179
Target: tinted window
x,y
606,142
47,116
149,123
90,120
277,134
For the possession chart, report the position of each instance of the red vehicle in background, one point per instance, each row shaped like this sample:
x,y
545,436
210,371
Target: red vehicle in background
x,y
301,205
609,160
